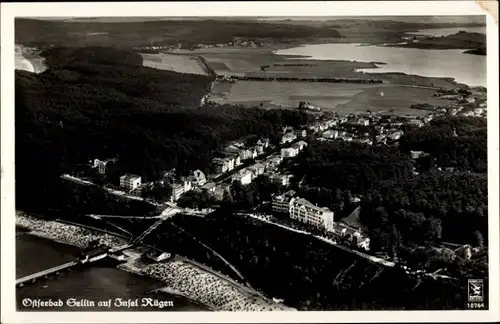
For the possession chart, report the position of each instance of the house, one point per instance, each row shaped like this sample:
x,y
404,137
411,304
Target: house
x,y
281,203
263,142
304,211
299,145
415,122
363,121
244,176
301,133
130,181
417,154
257,168
395,135
101,165
222,165
180,187
281,179
260,149
289,152
220,190
288,138
209,186
199,178
273,161
352,235
332,134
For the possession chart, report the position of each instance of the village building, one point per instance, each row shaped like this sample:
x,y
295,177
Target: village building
x,y
301,133
281,179
331,134
300,145
102,165
199,178
263,142
289,152
244,176
130,181
222,165
179,188
258,168
288,138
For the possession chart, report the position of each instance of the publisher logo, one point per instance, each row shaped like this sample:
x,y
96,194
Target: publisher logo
x,y
476,290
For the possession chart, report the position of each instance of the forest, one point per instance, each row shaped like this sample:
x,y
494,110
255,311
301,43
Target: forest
x,y
459,142
145,33
91,103
350,166
428,208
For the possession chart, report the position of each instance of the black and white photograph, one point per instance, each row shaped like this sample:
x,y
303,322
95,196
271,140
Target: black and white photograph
x,y
202,164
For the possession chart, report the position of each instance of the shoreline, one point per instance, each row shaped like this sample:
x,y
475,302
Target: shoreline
x,y
181,278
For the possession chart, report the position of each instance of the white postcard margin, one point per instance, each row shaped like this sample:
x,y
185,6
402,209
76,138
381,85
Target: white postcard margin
x,y
338,8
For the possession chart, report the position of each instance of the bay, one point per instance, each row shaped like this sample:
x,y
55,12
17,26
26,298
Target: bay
x,y
453,63
96,283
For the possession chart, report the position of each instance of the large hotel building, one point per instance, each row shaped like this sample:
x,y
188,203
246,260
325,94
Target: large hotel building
x,y
302,210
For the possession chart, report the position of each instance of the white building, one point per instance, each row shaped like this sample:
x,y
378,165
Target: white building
x,y
363,121
352,235
304,211
281,203
257,168
101,165
222,165
180,188
130,181
299,145
281,179
301,133
332,134
289,152
288,138
244,176
263,142
199,178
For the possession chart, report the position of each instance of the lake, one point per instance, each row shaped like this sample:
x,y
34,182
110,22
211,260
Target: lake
x,y
464,68
98,283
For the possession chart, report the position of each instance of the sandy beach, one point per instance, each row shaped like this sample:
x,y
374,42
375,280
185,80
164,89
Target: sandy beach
x,y
181,278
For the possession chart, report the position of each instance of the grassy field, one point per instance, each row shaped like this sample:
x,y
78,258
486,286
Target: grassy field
x,y
177,63
248,62
340,97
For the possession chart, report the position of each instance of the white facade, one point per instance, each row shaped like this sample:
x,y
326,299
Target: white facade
x,y
333,134
281,204
299,145
130,181
245,177
289,152
288,137
101,165
199,178
306,212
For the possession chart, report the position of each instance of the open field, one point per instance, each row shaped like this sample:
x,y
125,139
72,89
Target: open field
x,y
177,63
341,97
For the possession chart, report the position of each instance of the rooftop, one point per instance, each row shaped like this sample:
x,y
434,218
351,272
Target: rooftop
x,y
130,177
